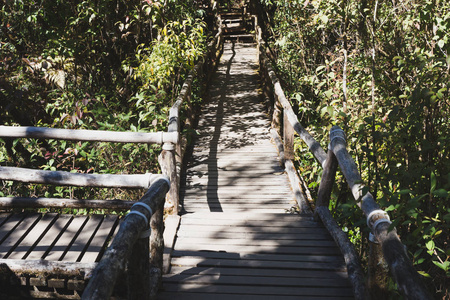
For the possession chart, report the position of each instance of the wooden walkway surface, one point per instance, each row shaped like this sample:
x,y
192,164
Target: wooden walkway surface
x,y
237,238
55,237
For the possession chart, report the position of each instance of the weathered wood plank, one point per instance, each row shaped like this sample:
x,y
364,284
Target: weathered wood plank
x,y
260,272
171,224
258,256
9,224
87,135
199,229
212,235
216,296
76,179
256,281
101,237
76,250
236,263
19,232
25,202
66,238
33,236
257,290
4,217
274,249
50,237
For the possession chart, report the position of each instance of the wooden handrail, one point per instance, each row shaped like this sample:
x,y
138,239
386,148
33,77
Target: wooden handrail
x,y
40,202
87,135
130,248
172,154
77,179
407,278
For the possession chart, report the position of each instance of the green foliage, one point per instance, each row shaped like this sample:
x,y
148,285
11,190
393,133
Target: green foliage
x,y
86,65
380,70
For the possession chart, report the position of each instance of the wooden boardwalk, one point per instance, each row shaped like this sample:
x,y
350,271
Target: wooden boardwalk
x,y
238,238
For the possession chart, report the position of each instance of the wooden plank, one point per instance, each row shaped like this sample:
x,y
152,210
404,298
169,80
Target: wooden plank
x,y
260,272
4,217
250,217
171,224
258,290
76,179
33,237
211,221
236,263
66,238
102,236
256,281
245,242
76,250
256,236
18,233
50,237
260,249
186,229
9,224
87,135
265,257
165,295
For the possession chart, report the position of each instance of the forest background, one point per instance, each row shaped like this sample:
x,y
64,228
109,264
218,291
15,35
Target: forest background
x,y
378,69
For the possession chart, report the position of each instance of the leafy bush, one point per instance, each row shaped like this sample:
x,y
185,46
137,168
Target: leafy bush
x,y
380,70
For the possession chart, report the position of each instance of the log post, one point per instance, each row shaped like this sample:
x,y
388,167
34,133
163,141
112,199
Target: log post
x,y
118,254
139,270
288,138
276,116
378,272
327,181
167,161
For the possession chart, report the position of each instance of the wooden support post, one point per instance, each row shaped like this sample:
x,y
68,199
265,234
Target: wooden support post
x,y
378,272
139,270
118,254
288,137
168,164
327,181
157,239
276,116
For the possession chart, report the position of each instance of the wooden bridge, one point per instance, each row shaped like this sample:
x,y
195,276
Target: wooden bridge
x,y
243,225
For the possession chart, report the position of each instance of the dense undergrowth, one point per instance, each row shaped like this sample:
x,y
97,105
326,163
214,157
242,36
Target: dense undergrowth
x,y
381,71
106,65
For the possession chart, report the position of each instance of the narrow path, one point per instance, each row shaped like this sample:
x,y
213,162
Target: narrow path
x,y
237,239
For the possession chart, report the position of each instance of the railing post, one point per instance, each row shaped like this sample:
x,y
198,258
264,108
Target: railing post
x,y
139,270
378,271
167,161
276,116
288,138
327,181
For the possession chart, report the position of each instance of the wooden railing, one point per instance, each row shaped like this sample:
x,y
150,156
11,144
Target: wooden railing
x,y
130,248
171,157
284,125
